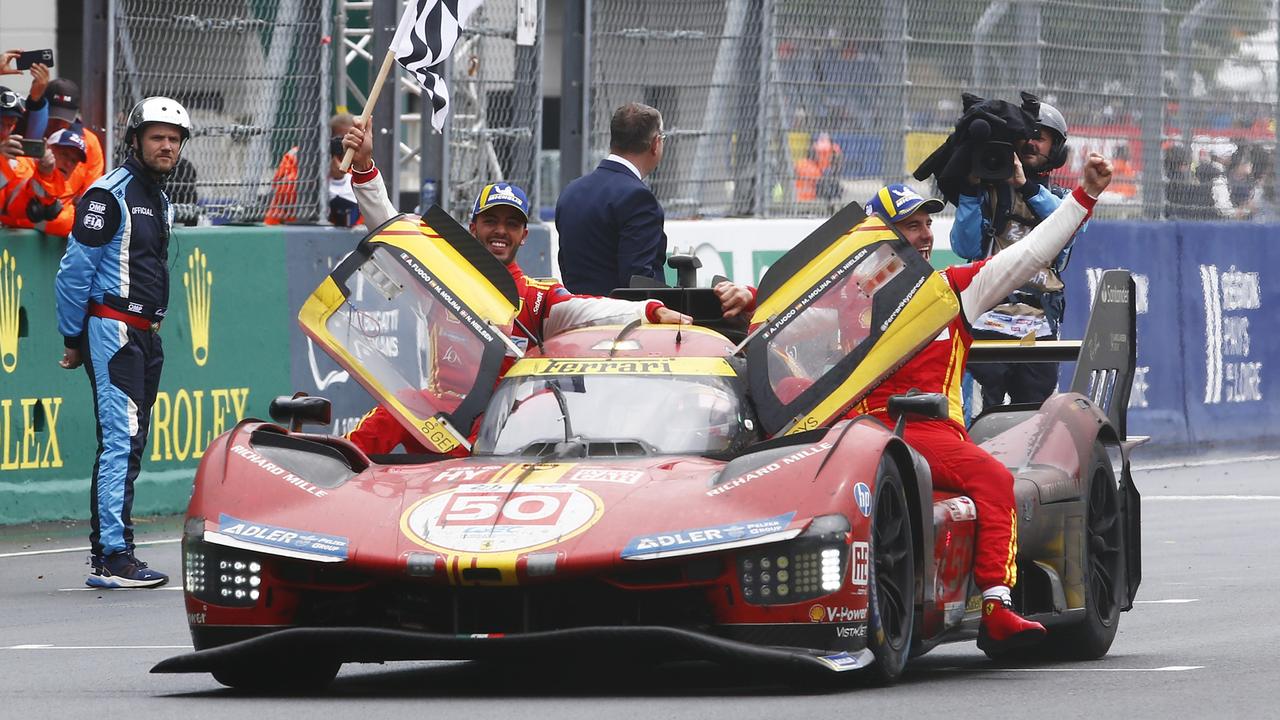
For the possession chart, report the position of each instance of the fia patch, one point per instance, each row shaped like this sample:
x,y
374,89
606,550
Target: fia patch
x,y
93,221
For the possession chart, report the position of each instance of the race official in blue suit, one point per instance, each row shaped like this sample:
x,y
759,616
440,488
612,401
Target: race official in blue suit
x,y
609,222
112,292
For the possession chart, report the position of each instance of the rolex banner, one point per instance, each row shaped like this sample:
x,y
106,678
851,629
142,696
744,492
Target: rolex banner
x,y
226,347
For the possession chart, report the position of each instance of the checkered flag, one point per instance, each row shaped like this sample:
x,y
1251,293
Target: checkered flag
x,y
425,37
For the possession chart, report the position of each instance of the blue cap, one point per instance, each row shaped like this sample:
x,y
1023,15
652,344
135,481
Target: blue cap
x,y
66,137
897,201
501,194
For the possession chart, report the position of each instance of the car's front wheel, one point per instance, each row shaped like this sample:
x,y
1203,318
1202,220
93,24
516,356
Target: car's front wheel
x,y
892,578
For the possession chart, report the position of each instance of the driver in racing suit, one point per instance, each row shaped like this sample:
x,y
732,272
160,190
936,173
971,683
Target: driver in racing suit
x,y
956,462
499,221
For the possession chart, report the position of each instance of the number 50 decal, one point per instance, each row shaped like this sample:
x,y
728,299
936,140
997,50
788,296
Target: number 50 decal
x,y
497,518
518,508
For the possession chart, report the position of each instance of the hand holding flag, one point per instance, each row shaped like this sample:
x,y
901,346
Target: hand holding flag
x,y
424,38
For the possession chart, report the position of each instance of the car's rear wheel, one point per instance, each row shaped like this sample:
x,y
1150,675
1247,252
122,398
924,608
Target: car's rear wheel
x,y
892,578
1091,638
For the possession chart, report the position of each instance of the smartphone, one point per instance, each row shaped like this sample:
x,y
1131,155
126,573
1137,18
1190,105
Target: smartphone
x,y
33,148
31,57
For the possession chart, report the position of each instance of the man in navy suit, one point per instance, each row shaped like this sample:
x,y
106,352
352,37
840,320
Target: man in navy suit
x,y
609,221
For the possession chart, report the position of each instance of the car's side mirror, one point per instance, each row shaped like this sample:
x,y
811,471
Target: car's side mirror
x,y
918,404
301,409
686,267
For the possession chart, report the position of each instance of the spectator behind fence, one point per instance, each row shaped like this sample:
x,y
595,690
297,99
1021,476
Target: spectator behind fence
x,y
1213,176
35,115
1185,197
344,211
62,99
283,206
1262,199
27,208
609,221
21,175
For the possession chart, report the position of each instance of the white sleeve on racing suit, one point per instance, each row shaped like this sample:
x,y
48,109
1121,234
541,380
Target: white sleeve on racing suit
x,y
374,204
1018,263
579,311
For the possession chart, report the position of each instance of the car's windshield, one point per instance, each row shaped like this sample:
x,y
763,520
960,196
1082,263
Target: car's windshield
x,y
675,414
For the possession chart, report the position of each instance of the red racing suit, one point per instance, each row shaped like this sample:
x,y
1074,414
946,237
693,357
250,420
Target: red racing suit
x,y
955,461
546,308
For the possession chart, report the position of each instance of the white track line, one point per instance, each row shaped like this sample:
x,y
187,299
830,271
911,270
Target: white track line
x,y
1170,601
97,647
98,589
1173,465
1168,668
81,549
1184,498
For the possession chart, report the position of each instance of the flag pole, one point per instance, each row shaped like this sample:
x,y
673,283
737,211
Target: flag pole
x,y
387,63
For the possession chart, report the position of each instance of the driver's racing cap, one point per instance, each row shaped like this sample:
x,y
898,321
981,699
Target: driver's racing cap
x,y
897,201
501,194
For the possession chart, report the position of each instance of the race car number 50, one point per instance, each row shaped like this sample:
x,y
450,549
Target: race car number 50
x,y
518,509
499,518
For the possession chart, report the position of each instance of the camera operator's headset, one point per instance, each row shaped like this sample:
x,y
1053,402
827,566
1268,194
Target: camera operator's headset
x,y
1052,119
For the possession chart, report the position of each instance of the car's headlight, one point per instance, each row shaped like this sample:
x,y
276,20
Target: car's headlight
x,y
220,575
807,567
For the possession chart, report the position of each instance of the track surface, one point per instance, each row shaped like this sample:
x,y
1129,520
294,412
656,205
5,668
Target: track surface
x,y
1201,641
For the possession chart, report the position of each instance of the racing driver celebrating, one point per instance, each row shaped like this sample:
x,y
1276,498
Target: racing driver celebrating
x,y
499,221
956,462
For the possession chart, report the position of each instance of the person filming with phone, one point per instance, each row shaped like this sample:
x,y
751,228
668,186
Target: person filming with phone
x,y
27,170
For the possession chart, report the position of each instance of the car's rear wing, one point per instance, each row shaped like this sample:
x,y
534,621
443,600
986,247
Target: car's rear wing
x,y
1105,358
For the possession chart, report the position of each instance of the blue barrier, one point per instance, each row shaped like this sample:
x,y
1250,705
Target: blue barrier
x,y
1231,350
1205,363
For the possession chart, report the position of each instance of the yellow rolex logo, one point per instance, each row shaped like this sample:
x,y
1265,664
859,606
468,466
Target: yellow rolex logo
x,y
10,302
199,283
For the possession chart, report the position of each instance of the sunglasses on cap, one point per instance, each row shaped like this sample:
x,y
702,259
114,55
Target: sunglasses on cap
x,y
9,99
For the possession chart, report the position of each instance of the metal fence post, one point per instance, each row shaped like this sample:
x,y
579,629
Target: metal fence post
x,y
575,61
527,104
1153,108
764,180
94,106
894,122
434,159
386,115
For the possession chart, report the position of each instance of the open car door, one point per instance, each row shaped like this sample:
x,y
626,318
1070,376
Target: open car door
x,y
418,314
836,315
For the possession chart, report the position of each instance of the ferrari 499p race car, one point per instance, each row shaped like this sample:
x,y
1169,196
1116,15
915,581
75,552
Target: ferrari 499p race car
x,y
685,492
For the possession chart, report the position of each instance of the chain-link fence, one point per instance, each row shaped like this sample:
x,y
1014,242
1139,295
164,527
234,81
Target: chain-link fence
x,y
794,107
254,76
495,103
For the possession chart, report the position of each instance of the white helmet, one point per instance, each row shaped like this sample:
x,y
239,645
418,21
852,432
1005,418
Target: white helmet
x,y
158,109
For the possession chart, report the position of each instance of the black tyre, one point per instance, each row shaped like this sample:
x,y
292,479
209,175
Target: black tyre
x,y
892,578
289,676
1104,569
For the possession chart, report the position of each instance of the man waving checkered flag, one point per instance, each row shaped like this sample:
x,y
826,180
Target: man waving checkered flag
x,y
425,37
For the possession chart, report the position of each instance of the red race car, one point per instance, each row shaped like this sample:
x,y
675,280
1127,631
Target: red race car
x,y
652,487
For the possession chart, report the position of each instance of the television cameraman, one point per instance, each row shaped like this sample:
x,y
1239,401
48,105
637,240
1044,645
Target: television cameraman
x,y
992,215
